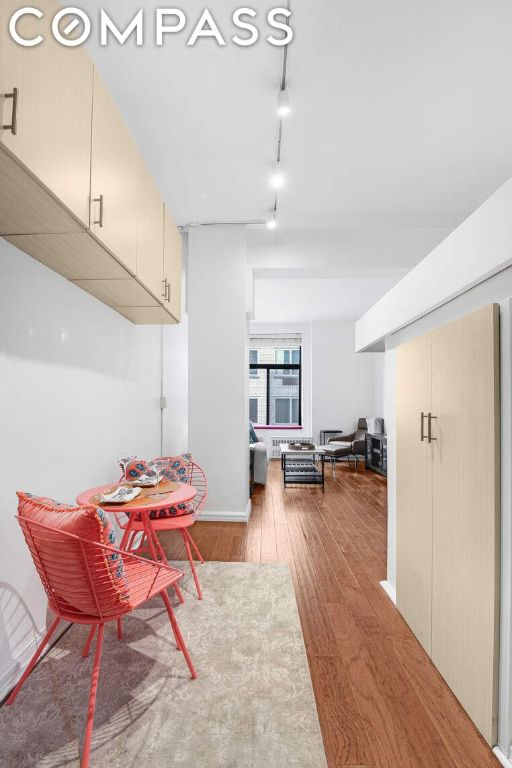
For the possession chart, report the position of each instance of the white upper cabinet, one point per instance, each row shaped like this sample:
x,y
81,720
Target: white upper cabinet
x,y
45,110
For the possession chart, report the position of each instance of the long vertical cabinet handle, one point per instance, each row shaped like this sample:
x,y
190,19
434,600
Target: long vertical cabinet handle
x,y
13,125
422,433
429,433
100,201
164,294
168,297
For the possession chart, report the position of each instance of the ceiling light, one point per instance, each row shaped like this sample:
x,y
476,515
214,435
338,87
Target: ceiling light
x,y
272,222
283,104
277,179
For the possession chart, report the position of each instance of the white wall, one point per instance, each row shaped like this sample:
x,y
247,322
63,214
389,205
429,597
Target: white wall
x,y
478,249
218,366
343,382
79,386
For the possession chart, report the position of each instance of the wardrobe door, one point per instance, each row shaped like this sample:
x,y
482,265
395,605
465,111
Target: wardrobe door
x,y
414,488
465,586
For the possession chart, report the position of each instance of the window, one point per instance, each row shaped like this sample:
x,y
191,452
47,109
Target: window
x,y
253,410
287,356
275,383
253,359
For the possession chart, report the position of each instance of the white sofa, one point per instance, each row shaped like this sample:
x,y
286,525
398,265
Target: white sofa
x,y
261,459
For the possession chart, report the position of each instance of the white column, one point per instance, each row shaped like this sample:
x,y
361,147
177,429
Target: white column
x,y
218,379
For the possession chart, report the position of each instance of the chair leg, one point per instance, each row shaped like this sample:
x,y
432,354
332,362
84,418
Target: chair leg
x,y
92,698
177,634
179,593
192,565
33,661
191,540
88,642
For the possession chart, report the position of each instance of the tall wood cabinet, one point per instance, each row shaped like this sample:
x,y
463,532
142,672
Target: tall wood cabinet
x,y
448,504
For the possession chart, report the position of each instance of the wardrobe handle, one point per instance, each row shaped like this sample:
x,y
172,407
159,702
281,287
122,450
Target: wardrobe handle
x,y
168,297
13,126
430,417
164,294
422,434
100,201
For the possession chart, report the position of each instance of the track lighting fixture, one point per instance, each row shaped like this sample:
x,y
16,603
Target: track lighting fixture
x,y
283,103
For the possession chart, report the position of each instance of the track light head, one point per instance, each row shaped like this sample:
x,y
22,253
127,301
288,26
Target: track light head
x,y
283,103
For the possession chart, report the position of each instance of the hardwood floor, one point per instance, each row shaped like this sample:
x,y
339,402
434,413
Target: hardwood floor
x,y
380,700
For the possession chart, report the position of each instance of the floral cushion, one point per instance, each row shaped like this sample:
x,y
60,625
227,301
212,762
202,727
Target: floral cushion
x,y
107,569
178,469
135,469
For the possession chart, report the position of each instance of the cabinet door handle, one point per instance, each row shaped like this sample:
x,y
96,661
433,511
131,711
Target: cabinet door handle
x,y
168,296
164,294
100,201
429,434
13,126
422,433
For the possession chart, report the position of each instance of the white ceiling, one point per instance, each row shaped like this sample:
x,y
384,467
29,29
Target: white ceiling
x,y
401,127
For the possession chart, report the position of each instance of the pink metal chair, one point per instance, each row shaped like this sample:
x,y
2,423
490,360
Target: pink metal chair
x,y
180,522
77,576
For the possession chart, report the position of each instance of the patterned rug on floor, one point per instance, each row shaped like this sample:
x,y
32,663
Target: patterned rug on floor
x,y
251,707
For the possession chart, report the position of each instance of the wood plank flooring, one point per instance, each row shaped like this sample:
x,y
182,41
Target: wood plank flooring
x,y
381,702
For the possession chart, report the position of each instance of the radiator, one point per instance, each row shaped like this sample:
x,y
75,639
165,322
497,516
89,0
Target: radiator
x,y
276,442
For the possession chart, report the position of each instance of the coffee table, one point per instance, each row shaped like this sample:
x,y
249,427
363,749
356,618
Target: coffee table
x,y
300,467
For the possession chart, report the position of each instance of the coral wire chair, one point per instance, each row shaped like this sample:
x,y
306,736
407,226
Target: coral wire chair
x,y
70,569
197,478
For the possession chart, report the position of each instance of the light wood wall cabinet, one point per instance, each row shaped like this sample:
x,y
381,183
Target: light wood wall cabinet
x,y
74,191
448,486
172,265
115,174
46,103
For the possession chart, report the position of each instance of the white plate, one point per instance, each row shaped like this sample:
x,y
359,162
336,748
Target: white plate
x,y
120,495
144,481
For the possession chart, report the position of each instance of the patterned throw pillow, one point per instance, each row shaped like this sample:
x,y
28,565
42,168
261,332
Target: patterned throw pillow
x,y
106,568
177,469
134,468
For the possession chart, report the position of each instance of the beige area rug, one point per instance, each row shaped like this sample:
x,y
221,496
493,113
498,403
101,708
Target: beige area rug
x,y
251,707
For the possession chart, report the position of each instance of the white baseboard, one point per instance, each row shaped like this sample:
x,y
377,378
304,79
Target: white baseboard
x,y
215,516
390,592
501,757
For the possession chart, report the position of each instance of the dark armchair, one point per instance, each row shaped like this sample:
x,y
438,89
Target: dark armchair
x,y
356,440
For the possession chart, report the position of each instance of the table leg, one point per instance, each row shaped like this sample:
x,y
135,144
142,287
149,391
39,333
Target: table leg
x,y
156,549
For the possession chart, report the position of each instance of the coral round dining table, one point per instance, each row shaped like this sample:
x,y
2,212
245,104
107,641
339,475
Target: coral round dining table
x,y
165,494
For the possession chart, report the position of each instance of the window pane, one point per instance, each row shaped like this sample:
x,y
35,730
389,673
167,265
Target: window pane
x,y
295,356
279,356
253,356
295,410
284,385
253,410
282,410
258,392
